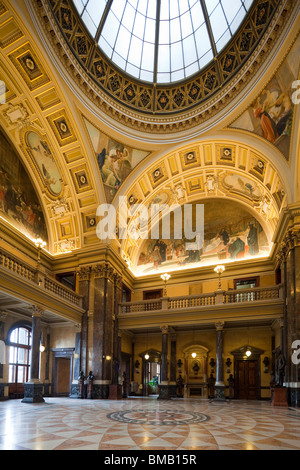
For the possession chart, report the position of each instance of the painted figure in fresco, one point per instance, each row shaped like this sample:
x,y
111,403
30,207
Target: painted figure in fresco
x,y
156,256
252,240
283,112
236,248
114,166
267,123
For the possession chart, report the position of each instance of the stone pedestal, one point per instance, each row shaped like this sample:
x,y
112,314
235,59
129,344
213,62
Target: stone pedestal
x,y
164,392
279,396
115,392
100,391
220,392
33,393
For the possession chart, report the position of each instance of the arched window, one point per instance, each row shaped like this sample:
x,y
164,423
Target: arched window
x,y
19,355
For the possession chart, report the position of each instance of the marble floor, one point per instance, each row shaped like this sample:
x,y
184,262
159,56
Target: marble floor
x,y
147,424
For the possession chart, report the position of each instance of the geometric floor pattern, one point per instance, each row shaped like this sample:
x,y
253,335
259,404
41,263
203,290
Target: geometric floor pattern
x,y
147,424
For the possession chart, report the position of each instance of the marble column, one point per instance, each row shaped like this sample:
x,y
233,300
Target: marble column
x,y
47,365
83,289
164,383
220,385
292,316
173,367
33,390
3,383
115,389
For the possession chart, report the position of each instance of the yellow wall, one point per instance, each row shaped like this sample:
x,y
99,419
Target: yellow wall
x,y
233,339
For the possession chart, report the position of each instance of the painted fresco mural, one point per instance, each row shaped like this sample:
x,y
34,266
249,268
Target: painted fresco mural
x,y
271,115
19,204
41,154
115,160
230,233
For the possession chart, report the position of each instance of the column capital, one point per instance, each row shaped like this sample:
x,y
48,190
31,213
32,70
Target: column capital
x,y
83,273
219,325
103,270
164,329
37,311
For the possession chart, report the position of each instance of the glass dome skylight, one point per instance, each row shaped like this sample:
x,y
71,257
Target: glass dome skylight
x,y
162,41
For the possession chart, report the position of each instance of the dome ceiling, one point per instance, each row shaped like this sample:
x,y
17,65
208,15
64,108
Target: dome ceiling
x,y
162,41
102,46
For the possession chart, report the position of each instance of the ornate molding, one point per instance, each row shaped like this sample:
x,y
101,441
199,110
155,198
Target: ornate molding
x,y
290,241
161,109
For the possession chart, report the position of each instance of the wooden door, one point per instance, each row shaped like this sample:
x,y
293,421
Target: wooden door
x,y
247,380
63,376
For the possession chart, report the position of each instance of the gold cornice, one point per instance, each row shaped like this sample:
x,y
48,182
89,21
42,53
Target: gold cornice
x,y
180,119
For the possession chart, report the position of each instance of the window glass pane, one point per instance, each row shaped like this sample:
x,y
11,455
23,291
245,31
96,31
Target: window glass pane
x,y
163,58
176,56
189,49
148,56
12,355
14,336
175,30
135,53
21,371
12,374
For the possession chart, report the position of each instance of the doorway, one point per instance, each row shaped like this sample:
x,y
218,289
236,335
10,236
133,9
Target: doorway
x,y
247,380
62,369
152,378
151,372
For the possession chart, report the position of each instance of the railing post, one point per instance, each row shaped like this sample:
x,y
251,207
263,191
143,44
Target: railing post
x,y
165,303
220,297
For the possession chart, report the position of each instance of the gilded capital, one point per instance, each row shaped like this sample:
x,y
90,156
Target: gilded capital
x,y
164,329
37,311
219,325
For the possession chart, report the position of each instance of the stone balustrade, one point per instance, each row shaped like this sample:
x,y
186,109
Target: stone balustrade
x,y
243,296
11,264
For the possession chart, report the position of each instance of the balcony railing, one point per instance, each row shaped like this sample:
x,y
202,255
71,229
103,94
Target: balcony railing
x,y
26,272
262,294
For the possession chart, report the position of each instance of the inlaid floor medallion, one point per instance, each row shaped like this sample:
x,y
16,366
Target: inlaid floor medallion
x,y
158,417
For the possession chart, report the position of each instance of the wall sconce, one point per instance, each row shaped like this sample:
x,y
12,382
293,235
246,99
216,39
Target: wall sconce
x,y
266,363
137,365
146,356
179,364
